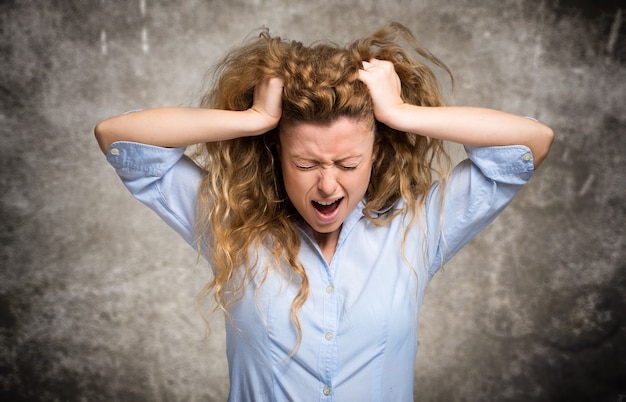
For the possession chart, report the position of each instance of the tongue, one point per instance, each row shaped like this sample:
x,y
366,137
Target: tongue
x,y
326,209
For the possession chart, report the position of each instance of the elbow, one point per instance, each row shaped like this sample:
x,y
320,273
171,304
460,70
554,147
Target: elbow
x,y
101,133
543,143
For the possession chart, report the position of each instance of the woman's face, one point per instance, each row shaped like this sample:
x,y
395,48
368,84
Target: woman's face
x,y
326,170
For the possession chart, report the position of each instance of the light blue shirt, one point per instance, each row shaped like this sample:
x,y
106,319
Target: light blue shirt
x,y
359,323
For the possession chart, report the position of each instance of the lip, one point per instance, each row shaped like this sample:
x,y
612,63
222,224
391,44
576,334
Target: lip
x,y
328,218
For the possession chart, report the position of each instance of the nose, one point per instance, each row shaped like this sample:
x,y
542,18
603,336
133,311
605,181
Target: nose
x,y
327,183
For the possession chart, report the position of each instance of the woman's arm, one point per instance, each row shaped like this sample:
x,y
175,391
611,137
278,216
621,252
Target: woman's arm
x,y
177,127
465,125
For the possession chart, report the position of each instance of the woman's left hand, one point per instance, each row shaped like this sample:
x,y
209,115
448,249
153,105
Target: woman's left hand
x,y
384,86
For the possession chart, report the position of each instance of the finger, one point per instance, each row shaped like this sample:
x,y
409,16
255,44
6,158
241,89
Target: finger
x,y
377,62
363,76
277,83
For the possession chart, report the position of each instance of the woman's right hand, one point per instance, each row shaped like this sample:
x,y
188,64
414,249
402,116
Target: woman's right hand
x,y
268,101
182,126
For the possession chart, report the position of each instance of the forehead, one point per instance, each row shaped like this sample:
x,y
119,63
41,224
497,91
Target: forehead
x,y
341,138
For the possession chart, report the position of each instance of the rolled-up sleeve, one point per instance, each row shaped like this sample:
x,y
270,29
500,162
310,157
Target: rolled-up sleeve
x,y
476,192
164,179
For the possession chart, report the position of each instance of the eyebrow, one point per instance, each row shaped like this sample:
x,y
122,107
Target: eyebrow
x,y
334,161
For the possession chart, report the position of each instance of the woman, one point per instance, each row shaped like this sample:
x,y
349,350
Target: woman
x,y
317,200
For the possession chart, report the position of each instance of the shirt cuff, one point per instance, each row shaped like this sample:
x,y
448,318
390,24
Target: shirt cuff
x,y
511,163
148,160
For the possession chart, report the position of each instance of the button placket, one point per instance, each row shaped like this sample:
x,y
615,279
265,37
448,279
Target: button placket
x,y
328,348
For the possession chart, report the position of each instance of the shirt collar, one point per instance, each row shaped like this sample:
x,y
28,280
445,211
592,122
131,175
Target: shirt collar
x,y
351,220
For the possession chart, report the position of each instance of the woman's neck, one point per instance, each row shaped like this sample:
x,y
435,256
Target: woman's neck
x,y
327,243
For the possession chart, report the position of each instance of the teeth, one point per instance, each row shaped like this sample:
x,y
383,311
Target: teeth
x,y
326,203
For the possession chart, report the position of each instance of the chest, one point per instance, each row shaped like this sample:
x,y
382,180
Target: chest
x,y
367,297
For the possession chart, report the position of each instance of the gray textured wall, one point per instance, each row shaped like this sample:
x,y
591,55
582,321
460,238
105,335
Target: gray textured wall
x,y
96,294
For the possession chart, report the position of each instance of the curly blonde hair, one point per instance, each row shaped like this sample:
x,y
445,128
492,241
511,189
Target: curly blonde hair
x,y
242,201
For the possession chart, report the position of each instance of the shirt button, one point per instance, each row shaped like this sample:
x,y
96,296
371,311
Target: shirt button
x,y
326,390
330,289
115,151
526,157
329,336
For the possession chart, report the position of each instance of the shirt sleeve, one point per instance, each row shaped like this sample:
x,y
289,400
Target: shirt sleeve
x,y
477,191
164,179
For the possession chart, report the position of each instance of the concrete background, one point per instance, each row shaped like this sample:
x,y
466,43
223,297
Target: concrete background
x,y
96,294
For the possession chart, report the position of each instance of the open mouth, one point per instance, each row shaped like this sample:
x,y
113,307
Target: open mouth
x,y
326,208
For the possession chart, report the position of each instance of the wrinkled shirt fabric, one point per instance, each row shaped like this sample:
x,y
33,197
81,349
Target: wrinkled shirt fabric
x,y
359,322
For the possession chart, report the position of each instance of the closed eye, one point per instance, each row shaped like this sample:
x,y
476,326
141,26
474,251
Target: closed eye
x,y
313,165
304,167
